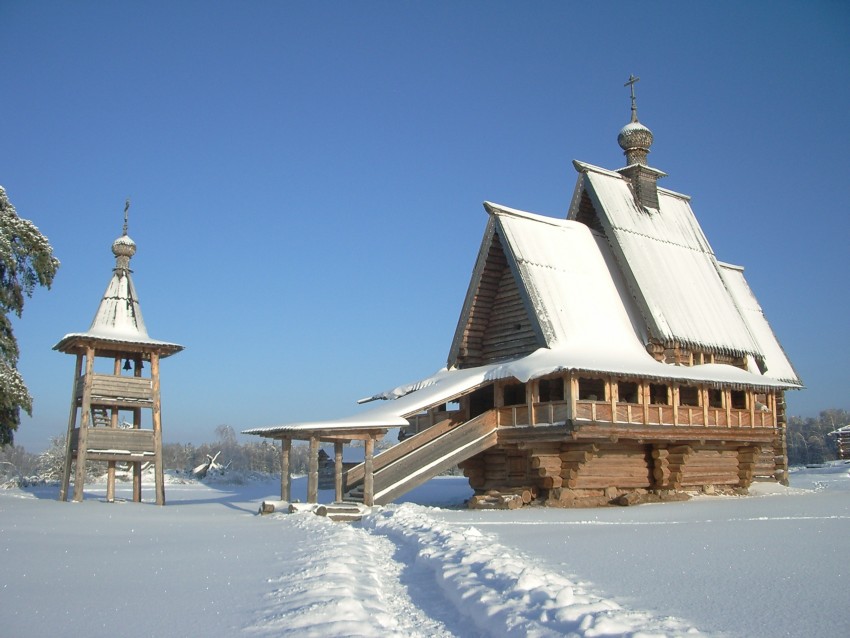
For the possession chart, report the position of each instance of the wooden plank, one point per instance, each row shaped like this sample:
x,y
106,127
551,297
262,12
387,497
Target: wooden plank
x,y
117,439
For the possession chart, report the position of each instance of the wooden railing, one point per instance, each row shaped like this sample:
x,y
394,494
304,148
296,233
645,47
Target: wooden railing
x,y
110,389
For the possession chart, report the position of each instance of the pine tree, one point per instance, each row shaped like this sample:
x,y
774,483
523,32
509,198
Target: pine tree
x,y
26,261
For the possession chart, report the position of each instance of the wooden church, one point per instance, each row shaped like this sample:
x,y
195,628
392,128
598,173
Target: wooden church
x,y
605,357
128,383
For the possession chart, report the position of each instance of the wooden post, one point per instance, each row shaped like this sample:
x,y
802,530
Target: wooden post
x,y
137,465
369,473
751,399
338,471
674,400
113,423
613,394
571,404
285,477
313,471
157,431
72,422
82,438
137,424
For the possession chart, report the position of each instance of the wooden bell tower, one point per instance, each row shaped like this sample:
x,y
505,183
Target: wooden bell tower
x,y
128,381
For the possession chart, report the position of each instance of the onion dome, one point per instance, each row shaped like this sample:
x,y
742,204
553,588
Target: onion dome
x,y
634,138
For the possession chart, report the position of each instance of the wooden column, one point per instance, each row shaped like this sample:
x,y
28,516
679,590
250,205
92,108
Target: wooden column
x,y
157,431
137,424
285,477
338,471
72,422
613,388
674,396
751,399
369,473
137,465
313,471
572,384
113,423
82,438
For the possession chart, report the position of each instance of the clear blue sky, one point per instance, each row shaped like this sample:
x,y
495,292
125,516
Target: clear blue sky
x,y
307,178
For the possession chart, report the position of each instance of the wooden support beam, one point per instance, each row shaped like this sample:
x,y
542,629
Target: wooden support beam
x,y
85,419
369,473
285,476
313,471
72,423
137,466
157,429
338,471
113,423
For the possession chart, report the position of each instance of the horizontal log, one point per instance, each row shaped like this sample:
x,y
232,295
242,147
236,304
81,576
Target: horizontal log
x,y
549,482
576,456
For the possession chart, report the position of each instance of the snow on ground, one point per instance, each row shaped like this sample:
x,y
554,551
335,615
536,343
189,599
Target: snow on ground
x,y
772,564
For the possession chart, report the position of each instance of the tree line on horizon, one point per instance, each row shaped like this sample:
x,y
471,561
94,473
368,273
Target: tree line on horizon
x,y
808,440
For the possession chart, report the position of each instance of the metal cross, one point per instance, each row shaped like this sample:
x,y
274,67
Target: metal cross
x,y
631,85
126,212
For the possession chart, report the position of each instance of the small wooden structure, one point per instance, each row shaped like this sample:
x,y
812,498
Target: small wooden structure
x,y
842,436
339,437
608,357
117,334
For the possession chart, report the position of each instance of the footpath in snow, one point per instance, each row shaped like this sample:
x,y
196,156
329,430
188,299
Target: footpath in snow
x,y
403,573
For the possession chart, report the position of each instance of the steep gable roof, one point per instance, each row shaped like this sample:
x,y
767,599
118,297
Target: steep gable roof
x,y
567,280
667,263
497,320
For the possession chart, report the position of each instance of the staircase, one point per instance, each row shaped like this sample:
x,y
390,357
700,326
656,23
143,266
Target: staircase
x,y
423,456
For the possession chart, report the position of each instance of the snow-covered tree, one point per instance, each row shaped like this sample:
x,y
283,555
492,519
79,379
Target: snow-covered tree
x,y
26,261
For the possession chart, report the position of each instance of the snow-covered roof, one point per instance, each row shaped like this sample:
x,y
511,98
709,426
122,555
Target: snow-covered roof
x,y
775,362
119,318
668,265
577,355
565,270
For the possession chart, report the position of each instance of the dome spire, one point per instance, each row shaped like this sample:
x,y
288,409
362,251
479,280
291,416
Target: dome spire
x,y
634,138
123,248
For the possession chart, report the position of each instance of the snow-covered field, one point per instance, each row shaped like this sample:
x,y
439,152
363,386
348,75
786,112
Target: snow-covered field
x,y
773,564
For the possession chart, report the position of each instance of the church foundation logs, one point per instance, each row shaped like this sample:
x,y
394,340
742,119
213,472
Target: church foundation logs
x,y
586,474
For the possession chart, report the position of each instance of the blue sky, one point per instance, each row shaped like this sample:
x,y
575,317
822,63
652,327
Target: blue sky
x,y
307,178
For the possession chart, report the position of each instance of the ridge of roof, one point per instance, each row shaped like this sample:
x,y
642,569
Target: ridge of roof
x,y
498,209
584,167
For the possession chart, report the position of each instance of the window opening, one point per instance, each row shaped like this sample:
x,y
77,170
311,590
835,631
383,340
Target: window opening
x,y
688,395
739,400
715,398
551,389
627,392
591,389
658,394
513,394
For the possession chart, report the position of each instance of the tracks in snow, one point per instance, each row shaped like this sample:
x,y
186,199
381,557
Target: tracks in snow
x,y
403,573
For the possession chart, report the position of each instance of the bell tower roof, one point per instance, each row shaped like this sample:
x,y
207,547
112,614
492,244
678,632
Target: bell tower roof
x,y
118,319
